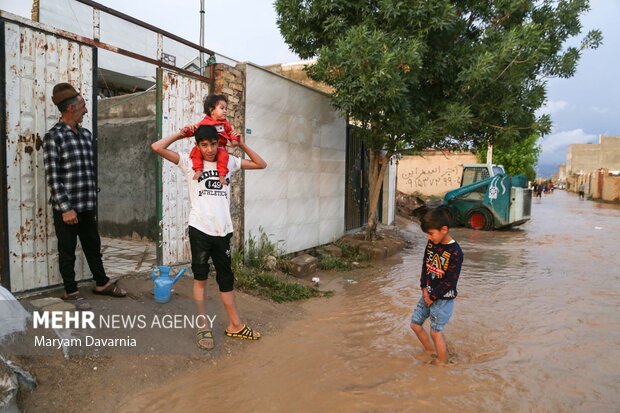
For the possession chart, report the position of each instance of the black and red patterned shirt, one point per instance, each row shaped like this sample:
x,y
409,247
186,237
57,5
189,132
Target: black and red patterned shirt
x,y
441,269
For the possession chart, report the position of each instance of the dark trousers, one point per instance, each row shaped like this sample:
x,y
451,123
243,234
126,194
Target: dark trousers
x,y
67,235
204,246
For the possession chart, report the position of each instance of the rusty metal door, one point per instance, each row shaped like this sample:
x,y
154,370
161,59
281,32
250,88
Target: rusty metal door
x,y
33,62
179,100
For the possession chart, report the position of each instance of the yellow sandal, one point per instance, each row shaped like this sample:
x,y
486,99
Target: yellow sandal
x,y
246,333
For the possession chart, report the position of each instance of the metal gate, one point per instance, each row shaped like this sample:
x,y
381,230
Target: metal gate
x,y
179,100
34,60
356,200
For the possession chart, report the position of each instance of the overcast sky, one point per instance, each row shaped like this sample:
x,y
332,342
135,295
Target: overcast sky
x,y
582,108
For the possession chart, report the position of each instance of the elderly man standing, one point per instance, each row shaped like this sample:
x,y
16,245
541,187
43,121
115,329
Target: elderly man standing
x,y
69,160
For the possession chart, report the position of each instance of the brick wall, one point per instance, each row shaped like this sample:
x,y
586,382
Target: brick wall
x,y
230,81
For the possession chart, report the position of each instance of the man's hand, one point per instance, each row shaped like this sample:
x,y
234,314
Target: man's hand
x,y
70,217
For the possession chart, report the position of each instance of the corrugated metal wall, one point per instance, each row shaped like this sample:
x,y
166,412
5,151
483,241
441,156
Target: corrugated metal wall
x,y
182,99
35,61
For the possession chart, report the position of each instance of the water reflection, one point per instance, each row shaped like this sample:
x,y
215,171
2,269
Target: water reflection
x,y
536,328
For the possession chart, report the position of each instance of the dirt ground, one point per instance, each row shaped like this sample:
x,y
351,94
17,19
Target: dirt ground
x,y
96,379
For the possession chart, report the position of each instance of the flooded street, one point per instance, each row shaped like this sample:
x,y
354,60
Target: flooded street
x,y
536,327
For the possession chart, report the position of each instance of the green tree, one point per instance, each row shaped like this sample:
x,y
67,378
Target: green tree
x,y
517,157
436,73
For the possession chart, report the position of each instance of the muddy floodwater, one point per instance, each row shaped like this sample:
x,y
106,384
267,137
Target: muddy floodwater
x,y
536,328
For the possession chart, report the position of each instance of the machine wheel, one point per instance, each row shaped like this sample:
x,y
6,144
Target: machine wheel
x,y
480,219
452,215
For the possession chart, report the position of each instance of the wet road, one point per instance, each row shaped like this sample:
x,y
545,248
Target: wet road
x,y
536,328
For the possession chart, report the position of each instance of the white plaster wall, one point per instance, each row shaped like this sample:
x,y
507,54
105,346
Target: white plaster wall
x,y
299,198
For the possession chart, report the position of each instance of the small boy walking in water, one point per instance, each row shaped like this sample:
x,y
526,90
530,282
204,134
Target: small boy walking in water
x,y
440,273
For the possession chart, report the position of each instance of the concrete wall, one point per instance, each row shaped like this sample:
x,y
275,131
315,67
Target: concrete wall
x,y
562,172
610,152
389,193
127,167
588,180
583,157
599,185
432,172
611,189
299,198
297,72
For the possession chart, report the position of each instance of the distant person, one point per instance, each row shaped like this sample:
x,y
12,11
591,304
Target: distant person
x,y
69,160
210,225
582,191
441,268
215,109
539,190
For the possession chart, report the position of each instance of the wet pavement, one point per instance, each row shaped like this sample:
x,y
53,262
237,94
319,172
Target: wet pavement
x,y
536,328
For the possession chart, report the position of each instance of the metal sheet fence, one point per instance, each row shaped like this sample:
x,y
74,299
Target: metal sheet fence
x,y
34,62
181,104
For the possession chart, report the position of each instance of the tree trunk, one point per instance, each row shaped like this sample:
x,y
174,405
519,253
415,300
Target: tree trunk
x,y
376,173
490,153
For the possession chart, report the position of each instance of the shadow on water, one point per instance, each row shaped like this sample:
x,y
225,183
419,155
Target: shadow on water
x,y
536,328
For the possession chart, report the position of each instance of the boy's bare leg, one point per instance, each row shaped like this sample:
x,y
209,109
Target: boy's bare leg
x,y
423,337
440,345
234,322
200,298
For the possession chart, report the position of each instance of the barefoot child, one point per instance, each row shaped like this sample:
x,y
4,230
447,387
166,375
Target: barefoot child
x,y
215,107
440,273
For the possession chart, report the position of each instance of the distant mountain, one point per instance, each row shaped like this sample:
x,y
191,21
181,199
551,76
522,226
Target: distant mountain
x,y
546,170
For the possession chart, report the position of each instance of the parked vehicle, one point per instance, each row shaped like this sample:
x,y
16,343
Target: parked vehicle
x,y
488,199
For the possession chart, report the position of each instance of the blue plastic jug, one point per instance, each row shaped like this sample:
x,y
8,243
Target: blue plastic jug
x,y
163,283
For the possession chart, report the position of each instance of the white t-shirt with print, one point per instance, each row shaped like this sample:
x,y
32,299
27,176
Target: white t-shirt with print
x,y
209,202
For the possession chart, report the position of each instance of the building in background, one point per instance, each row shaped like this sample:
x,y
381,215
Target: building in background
x,y
597,167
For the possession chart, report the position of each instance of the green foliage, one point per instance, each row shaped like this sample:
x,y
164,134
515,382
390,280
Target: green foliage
x,y
328,262
270,286
257,250
254,277
344,263
442,73
436,74
518,158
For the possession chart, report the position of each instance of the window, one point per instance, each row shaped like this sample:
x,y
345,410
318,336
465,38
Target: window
x,y
474,174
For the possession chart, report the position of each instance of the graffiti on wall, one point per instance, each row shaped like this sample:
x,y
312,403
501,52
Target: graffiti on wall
x,y
421,178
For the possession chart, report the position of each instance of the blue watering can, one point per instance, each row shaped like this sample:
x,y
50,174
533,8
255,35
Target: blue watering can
x,y
163,283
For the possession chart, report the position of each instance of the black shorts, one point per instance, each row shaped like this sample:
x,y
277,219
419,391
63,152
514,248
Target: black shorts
x,y
204,246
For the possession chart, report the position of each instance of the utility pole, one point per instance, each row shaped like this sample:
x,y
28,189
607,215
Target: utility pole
x,y
490,153
202,36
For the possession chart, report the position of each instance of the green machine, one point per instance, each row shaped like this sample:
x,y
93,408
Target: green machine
x,y
488,199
